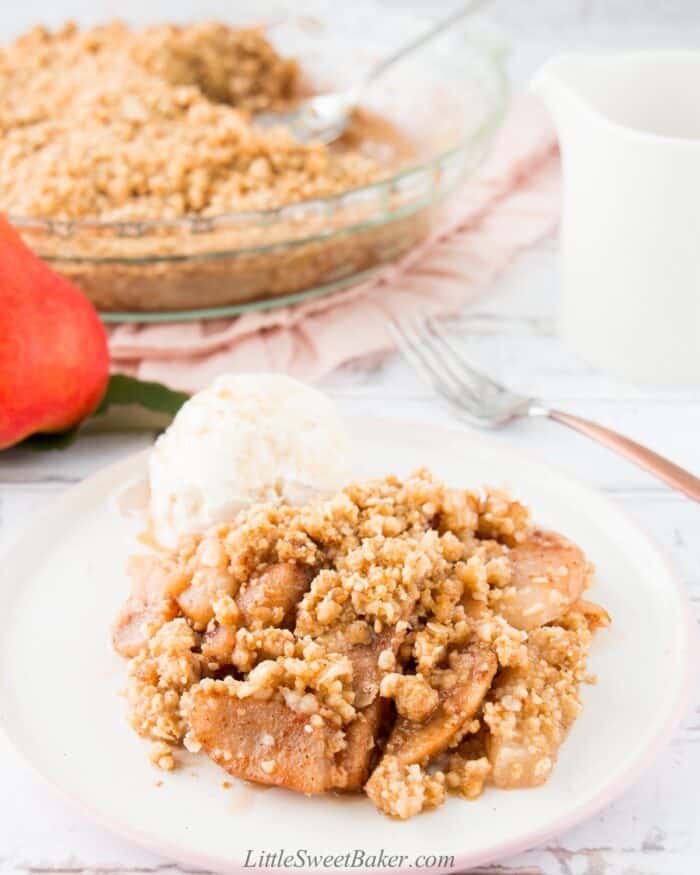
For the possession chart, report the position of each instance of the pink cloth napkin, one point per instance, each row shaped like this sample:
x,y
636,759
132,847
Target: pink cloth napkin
x,y
509,204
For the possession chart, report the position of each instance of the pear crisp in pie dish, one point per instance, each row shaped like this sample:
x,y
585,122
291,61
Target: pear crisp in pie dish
x,y
400,638
132,158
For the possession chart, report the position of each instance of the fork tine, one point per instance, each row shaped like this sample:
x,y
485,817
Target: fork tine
x,y
443,363
476,397
459,367
421,360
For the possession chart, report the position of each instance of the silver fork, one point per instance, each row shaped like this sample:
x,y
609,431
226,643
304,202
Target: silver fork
x,y
483,402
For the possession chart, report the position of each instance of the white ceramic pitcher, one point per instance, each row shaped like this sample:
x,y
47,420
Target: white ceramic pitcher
x,y
629,128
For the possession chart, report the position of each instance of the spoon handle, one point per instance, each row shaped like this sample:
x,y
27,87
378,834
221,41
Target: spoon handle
x,y
419,41
652,462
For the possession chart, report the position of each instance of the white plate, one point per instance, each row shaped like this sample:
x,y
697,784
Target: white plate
x,y
59,680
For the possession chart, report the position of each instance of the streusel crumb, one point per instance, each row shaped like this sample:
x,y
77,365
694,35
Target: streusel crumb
x,y
120,124
400,637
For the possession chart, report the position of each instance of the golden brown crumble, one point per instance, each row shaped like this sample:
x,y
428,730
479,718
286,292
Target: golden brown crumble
x,y
404,790
161,755
358,642
120,124
413,695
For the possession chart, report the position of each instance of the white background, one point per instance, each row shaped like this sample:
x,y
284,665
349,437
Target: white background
x,y
655,827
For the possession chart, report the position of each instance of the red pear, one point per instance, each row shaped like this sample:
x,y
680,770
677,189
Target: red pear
x,y
54,363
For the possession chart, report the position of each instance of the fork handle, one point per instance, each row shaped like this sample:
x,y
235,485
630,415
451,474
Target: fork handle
x,y
652,462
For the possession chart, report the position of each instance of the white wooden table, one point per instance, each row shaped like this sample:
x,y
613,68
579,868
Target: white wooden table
x,y
655,827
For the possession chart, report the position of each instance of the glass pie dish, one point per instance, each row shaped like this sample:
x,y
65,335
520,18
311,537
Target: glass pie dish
x,y
446,102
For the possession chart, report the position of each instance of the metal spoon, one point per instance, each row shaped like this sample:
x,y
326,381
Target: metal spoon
x,y
325,117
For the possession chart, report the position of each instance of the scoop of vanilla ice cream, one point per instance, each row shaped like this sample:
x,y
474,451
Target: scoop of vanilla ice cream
x,y
247,438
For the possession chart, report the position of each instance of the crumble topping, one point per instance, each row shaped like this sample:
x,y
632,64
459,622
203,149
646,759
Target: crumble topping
x,y
413,696
402,791
122,124
158,675
380,639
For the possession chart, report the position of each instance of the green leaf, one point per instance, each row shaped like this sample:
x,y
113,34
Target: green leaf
x,y
124,391
57,440
127,404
